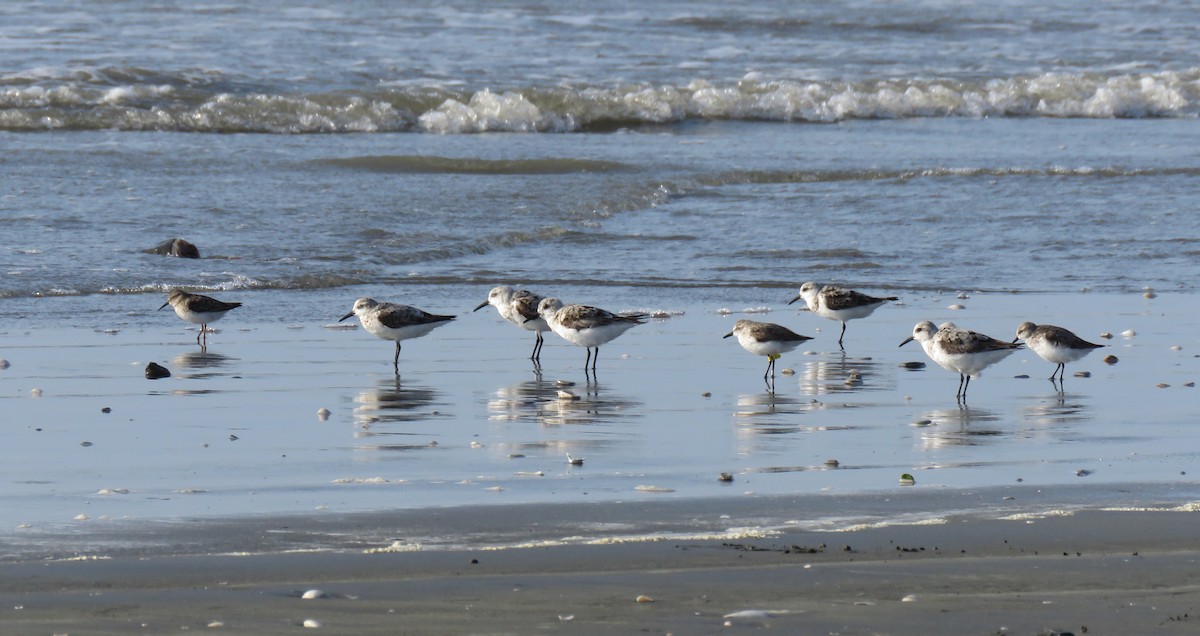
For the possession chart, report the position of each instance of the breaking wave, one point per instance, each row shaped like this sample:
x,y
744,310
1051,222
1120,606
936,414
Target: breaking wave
x,y
136,100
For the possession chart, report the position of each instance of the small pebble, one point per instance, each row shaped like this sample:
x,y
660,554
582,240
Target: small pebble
x,y
907,480
1176,348
233,438
86,444
642,598
1106,335
788,371
3,363
574,461
107,409
1082,472
312,594
832,463
1110,359
1162,385
1189,384
725,477
567,395
155,371
1149,295
706,394
912,365
1083,374
1023,376
1129,333
36,393
323,414
564,383
312,622
922,423
956,307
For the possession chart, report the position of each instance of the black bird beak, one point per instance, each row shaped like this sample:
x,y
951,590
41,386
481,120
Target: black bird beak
x,y
727,335
481,306
798,297
1016,339
906,341
346,316
165,304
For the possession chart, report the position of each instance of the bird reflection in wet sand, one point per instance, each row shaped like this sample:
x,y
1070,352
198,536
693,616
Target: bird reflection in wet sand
x,y
203,362
570,405
391,403
960,426
822,375
522,400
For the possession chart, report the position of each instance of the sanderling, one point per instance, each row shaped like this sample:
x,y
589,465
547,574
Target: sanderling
x,y
198,310
960,350
395,322
766,339
585,326
1055,344
520,308
836,303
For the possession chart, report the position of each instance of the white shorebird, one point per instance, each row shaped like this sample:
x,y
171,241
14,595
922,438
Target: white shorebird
x,y
960,350
1055,344
766,339
585,326
520,308
395,322
836,303
198,310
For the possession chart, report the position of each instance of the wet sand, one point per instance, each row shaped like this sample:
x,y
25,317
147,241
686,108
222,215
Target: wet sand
x,y
217,496
1092,572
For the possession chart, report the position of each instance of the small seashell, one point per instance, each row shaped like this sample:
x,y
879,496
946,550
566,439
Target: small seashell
x,y
1176,348
216,624
566,617
85,444
36,393
516,455
725,477
564,383
1082,472
233,438
706,394
1189,384
642,598
312,594
1083,374
788,371
81,517
1023,376
907,480
956,306
476,444
1149,294
1110,359
1129,333
311,622
922,423
1162,385
1107,335
567,395
832,463
908,598
962,296
4,363
529,473
574,461
323,414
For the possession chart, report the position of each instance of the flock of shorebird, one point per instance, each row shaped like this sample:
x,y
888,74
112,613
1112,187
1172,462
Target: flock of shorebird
x,y
955,349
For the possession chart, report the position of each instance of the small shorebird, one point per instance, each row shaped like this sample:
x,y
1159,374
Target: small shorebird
x,y
960,350
520,308
198,310
836,303
766,339
1055,344
395,322
585,326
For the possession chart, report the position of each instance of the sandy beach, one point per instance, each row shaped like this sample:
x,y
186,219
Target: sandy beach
x,y
1091,572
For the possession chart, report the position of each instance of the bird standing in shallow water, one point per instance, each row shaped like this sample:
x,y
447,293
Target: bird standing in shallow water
x,y
1055,344
766,339
586,326
520,308
840,304
960,350
395,322
198,310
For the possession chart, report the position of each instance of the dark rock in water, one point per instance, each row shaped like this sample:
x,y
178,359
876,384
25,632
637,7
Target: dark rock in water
x,y
176,247
155,371
912,365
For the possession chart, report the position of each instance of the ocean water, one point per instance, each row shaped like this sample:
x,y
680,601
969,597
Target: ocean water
x,y
682,157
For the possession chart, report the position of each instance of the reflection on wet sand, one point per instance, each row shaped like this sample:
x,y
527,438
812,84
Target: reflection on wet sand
x,y
553,403
204,363
393,402
959,426
1058,410
841,373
